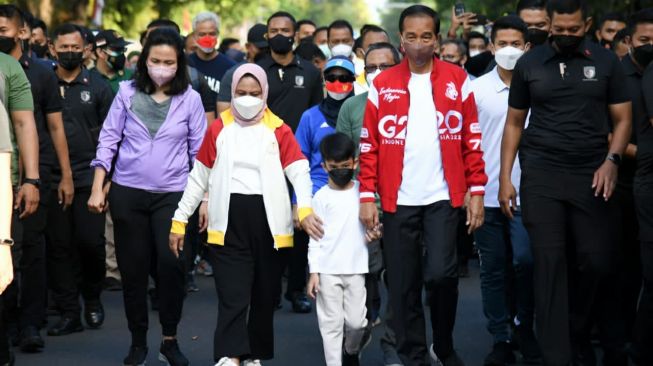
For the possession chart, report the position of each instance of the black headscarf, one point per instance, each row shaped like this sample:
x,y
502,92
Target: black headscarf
x,y
331,107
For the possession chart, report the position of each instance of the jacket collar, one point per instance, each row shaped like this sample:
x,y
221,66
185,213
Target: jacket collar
x,y
269,119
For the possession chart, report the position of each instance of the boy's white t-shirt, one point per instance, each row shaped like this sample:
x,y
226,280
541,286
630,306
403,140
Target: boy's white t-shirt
x,y
343,249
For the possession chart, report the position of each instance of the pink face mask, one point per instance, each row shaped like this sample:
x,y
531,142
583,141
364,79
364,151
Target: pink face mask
x,y
161,74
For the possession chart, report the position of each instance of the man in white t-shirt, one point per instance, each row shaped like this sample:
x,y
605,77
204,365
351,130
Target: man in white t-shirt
x,y
338,261
421,152
499,232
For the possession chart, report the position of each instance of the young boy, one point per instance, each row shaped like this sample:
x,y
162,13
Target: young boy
x,y
338,262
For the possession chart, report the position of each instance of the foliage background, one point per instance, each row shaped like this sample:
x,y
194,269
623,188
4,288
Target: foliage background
x,y
130,17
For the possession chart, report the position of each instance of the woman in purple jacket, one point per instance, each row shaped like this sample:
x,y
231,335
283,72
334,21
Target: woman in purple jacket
x,y
153,131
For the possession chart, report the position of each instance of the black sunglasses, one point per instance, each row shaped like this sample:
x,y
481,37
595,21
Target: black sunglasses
x,y
341,78
372,68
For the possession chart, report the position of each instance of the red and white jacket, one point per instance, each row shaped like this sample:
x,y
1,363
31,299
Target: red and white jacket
x,y
384,134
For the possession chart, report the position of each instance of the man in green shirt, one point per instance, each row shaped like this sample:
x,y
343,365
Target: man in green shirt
x,y
17,99
110,63
379,56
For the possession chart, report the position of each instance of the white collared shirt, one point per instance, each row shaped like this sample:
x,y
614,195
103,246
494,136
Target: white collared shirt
x,y
491,95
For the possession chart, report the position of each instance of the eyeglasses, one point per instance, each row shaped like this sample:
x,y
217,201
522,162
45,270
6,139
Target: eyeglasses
x,y
372,68
341,78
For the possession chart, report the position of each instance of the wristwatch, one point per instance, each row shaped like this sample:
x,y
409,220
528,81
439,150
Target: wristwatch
x,y
615,158
9,242
35,182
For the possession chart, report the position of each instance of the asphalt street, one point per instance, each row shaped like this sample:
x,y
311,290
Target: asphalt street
x,y
297,337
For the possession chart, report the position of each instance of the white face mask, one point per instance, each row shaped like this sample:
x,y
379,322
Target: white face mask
x,y
507,57
325,50
473,53
337,96
248,106
370,77
341,50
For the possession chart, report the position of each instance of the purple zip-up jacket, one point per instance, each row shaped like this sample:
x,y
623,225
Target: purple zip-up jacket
x,y
159,164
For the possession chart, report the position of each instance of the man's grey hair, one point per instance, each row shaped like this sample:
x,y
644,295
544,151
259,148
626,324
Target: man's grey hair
x,y
205,16
462,48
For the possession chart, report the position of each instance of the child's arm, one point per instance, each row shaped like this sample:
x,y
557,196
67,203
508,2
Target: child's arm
x,y
313,286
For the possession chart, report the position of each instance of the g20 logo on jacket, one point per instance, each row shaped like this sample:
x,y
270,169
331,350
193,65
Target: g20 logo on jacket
x,y
450,125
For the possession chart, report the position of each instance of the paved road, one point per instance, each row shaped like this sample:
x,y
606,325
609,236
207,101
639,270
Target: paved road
x,y
298,340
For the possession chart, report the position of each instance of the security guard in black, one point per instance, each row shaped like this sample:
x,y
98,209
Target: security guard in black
x,y
567,95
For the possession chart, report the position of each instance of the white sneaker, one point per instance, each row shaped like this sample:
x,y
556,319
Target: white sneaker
x,y
226,361
252,363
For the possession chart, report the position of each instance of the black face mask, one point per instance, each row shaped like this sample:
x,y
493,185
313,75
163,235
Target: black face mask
x,y
281,44
342,176
70,60
643,55
117,63
7,44
566,44
605,44
537,36
39,50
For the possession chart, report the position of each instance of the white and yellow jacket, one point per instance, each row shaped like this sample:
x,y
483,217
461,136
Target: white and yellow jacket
x,y
281,158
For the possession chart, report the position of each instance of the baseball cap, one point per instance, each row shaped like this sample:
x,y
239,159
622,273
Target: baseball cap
x,y
256,35
110,38
340,61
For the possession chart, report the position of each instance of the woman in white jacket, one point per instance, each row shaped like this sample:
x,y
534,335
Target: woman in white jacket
x,y
243,163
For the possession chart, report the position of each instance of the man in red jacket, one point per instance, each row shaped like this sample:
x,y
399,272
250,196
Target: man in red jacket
x,y
421,151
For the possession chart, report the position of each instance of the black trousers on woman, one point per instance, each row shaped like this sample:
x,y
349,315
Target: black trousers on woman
x,y
247,273
142,223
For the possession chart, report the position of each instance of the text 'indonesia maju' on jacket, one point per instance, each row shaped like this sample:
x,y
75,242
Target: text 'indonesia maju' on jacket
x,y
212,171
384,134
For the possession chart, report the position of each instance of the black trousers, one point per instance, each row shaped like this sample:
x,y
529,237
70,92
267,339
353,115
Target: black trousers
x,y
297,258
142,221
629,263
644,323
25,298
420,245
247,272
76,253
573,239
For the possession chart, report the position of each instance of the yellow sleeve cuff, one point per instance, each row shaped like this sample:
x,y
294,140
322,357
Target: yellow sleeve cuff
x,y
303,212
178,227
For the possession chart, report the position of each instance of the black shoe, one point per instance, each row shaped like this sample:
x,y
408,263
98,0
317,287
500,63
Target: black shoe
x,y
30,340
136,357
615,357
154,299
530,350
65,326
112,284
501,355
94,316
170,353
584,355
300,304
463,270
350,360
452,360
10,361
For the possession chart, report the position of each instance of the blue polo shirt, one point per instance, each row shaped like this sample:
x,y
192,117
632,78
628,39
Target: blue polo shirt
x,y
312,128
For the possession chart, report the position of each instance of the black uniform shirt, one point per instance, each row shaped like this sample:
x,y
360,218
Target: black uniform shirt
x,y
43,82
293,88
86,102
645,131
568,97
633,82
